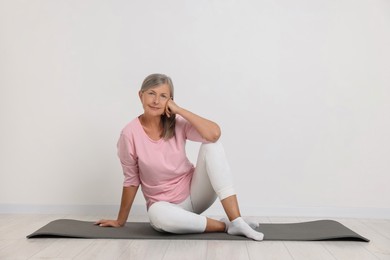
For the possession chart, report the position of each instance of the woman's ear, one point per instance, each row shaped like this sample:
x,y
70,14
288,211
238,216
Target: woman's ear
x,y
140,94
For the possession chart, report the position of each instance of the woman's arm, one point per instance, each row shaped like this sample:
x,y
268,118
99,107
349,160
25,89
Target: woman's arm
x,y
209,130
128,196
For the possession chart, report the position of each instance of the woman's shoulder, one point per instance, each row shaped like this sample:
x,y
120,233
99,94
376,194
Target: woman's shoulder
x,y
131,127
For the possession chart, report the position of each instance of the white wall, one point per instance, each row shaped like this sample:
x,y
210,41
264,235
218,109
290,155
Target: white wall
x,y
300,89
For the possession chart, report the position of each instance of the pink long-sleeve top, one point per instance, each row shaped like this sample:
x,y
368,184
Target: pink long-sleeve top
x,y
160,167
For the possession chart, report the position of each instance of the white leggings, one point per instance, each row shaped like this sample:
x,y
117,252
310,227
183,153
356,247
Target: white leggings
x,y
212,178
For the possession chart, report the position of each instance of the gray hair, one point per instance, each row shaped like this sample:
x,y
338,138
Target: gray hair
x,y
153,81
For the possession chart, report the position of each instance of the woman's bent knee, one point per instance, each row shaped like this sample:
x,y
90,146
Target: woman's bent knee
x,y
159,216
167,217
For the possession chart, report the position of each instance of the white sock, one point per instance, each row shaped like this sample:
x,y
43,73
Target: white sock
x,y
251,223
227,223
241,228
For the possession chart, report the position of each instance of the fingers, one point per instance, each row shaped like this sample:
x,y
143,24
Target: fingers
x,y
171,107
106,223
167,110
99,222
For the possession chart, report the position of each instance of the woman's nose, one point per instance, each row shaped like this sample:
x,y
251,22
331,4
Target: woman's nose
x,y
156,99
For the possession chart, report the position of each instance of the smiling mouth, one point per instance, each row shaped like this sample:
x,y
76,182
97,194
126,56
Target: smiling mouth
x,y
154,108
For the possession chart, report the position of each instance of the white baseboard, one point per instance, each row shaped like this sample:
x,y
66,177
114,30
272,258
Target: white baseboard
x,y
215,210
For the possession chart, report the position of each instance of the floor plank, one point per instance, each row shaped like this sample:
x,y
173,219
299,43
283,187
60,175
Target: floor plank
x,y
379,244
381,226
186,250
268,250
308,250
24,225
349,250
227,250
63,248
23,248
145,249
104,249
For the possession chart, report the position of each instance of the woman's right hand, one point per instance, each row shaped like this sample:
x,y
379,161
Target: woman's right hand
x,y
108,223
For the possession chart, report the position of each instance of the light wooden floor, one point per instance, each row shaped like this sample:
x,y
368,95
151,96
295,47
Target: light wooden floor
x,y
14,245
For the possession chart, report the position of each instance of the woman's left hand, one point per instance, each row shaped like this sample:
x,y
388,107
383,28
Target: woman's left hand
x,y
171,108
209,130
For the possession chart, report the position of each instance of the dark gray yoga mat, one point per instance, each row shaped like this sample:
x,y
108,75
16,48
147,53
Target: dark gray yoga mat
x,y
304,231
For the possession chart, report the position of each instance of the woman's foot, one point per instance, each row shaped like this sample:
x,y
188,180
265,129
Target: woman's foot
x,y
251,223
241,228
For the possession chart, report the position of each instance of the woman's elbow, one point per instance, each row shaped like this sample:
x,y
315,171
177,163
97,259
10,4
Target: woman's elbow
x,y
214,135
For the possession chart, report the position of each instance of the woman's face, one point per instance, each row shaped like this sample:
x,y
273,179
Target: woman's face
x,y
155,99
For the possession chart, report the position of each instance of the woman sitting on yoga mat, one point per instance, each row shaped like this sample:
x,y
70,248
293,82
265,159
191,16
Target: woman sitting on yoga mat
x,y
151,149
